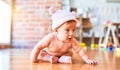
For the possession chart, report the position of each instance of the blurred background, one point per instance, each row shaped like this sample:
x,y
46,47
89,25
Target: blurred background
x,y
24,22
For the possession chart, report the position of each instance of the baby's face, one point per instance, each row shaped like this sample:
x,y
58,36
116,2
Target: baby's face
x,y
66,31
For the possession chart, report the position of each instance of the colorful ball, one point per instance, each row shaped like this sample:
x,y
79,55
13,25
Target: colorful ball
x,y
105,49
83,44
110,44
110,49
96,45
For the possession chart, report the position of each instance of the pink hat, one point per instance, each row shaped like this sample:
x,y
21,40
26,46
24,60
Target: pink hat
x,y
60,16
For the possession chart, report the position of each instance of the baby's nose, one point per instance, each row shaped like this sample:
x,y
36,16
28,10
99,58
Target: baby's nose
x,y
71,33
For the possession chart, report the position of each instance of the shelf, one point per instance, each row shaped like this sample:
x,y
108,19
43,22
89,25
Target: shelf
x,y
86,23
86,27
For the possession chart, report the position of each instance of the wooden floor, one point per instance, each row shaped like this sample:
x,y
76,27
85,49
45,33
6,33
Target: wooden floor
x,y
18,59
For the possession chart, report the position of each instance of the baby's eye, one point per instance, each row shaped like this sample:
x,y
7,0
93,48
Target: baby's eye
x,y
73,30
67,30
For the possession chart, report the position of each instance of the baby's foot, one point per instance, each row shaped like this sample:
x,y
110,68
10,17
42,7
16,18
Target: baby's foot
x,y
65,59
53,59
43,56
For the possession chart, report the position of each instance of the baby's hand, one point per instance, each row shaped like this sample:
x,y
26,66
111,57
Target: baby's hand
x,y
34,60
89,61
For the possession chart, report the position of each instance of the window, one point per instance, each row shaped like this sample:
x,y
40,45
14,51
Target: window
x,y
5,22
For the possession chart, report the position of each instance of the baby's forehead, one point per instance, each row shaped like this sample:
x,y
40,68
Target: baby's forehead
x,y
69,24
71,21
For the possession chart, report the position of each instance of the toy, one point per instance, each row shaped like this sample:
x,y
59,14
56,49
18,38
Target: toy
x,y
93,46
110,36
117,52
105,49
83,45
101,45
110,47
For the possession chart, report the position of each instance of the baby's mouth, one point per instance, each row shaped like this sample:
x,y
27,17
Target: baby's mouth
x,y
69,38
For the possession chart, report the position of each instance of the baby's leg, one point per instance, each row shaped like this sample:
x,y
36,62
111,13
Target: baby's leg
x,y
44,56
66,58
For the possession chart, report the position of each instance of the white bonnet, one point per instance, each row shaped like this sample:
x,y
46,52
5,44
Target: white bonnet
x,y
60,16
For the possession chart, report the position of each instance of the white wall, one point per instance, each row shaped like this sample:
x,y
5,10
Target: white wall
x,y
100,9
103,9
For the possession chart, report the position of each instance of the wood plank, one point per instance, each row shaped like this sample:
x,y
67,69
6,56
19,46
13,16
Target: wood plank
x,y
18,59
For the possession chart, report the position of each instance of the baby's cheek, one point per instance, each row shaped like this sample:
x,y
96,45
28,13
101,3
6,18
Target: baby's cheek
x,y
64,35
64,32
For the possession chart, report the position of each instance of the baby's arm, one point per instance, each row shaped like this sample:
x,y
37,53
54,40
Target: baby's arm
x,y
85,57
40,45
82,53
35,52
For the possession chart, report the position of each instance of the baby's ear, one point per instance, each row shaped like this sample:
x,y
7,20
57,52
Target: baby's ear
x,y
74,13
55,30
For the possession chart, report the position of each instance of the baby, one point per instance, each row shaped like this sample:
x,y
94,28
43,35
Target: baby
x,y
56,46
